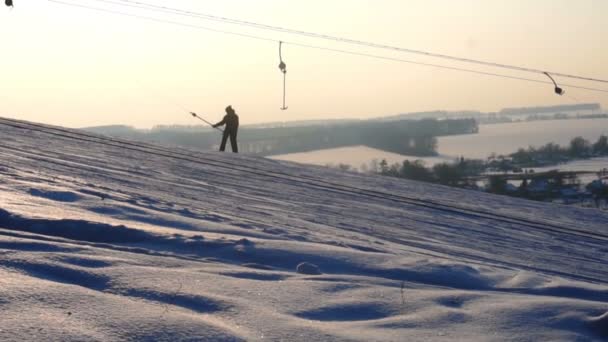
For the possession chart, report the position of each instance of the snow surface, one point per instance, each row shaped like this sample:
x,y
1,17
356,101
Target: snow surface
x,y
107,240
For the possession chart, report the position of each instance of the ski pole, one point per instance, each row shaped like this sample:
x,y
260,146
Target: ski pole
x,y
205,121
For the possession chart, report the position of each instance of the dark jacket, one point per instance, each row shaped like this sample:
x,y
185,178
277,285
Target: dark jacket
x,y
231,121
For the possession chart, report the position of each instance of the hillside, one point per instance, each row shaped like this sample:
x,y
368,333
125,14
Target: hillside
x,y
108,240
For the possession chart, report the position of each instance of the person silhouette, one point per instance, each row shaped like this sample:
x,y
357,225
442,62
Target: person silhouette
x,y
231,120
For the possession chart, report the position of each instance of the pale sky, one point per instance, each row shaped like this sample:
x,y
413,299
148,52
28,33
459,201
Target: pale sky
x,y
76,67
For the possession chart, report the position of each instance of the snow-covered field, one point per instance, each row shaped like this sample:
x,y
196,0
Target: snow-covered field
x,y
103,240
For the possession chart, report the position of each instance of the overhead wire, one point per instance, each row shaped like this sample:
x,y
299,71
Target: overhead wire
x,y
316,47
166,9
245,35
472,71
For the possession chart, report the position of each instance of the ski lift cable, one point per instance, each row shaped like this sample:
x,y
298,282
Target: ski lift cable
x,y
441,66
309,46
166,9
99,9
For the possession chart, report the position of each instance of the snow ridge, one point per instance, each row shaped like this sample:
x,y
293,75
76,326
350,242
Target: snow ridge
x,y
110,240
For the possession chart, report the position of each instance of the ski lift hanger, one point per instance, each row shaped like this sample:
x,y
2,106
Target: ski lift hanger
x,y
283,68
559,91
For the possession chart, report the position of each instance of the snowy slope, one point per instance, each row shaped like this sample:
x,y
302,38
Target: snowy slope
x,y
108,240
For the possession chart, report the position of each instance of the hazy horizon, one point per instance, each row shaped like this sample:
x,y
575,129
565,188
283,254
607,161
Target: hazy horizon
x,y
396,116
77,68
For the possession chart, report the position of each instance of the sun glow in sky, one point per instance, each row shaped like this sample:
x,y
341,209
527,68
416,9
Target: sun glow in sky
x,y
77,67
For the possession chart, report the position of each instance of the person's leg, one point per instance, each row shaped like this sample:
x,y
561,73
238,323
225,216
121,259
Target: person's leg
x,y
235,147
224,140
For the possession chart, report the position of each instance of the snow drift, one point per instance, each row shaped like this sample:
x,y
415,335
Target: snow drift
x,y
110,240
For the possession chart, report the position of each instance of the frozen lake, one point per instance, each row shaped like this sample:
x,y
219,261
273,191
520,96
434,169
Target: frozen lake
x,y
354,156
499,139
507,138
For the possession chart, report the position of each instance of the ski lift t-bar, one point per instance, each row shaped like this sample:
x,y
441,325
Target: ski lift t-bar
x,y
205,121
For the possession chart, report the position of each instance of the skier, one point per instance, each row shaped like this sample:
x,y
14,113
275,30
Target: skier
x,y
231,120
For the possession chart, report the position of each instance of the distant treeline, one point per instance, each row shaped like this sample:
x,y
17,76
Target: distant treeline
x,y
504,114
552,153
552,109
498,119
544,186
500,172
412,137
460,172
404,137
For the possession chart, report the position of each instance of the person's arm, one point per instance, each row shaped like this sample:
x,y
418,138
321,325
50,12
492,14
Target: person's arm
x,y
223,122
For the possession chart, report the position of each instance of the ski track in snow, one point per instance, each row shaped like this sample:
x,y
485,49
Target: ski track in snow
x,y
134,242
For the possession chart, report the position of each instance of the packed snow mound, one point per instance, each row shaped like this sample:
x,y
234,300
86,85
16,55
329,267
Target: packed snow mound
x,y
308,268
600,325
110,240
60,196
80,230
